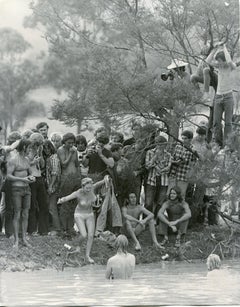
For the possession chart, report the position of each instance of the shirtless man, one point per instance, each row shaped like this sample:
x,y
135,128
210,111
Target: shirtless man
x,y
134,226
121,266
70,179
19,173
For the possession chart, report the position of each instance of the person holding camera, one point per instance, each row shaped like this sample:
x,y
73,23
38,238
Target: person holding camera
x,y
98,158
177,69
20,174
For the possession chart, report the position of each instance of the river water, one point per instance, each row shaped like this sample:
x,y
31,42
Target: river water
x,y
163,283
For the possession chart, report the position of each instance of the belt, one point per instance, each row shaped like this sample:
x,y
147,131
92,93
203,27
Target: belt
x,y
224,95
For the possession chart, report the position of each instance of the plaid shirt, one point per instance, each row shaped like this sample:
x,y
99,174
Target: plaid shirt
x,y
181,170
154,168
53,168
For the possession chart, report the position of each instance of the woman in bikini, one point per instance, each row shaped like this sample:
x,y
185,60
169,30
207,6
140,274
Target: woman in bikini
x,y
84,216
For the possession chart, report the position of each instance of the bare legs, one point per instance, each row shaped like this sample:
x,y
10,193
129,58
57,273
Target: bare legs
x,y
134,232
86,228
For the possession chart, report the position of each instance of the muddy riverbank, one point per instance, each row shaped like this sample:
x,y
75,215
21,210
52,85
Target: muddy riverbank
x,y
49,252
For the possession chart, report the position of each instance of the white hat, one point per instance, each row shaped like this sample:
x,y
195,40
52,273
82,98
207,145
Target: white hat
x,y
177,63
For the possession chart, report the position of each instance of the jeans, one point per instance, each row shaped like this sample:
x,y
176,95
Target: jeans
x,y
53,210
223,103
155,196
164,228
38,213
68,184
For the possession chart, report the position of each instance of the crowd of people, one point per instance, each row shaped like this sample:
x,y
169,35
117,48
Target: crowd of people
x,y
60,184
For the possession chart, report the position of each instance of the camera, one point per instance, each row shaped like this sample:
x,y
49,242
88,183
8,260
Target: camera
x,y
169,75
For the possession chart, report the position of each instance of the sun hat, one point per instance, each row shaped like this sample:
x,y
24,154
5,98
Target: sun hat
x,y
177,63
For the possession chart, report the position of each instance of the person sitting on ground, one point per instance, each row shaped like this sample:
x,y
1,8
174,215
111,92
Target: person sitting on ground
x,y
133,225
19,173
121,266
178,213
83,215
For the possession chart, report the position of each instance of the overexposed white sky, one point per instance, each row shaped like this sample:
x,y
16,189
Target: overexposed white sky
x,y
12,13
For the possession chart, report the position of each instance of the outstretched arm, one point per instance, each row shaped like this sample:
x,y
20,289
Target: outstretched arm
x,y
68,197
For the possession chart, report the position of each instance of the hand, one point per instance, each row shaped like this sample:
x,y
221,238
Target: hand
x,y
99,150
50,190
32,178
71,150
174,228
173,223
141,223
135,173
26,180
90,151
59,201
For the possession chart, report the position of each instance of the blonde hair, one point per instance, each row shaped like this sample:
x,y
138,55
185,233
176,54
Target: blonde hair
x,y
213,262
86,181
121,243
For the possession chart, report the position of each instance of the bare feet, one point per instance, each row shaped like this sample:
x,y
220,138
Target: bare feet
x,y
89,260
158,245
15,246
138,247
25,243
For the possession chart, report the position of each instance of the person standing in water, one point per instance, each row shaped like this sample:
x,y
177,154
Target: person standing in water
x,y
84,216
122,265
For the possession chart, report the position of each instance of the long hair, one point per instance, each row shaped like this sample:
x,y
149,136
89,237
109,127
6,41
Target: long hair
x,y
179,193
23,144
121,243
213,262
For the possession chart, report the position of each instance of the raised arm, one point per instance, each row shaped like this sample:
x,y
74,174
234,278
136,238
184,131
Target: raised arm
x,y
63,160
210,59
228,58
